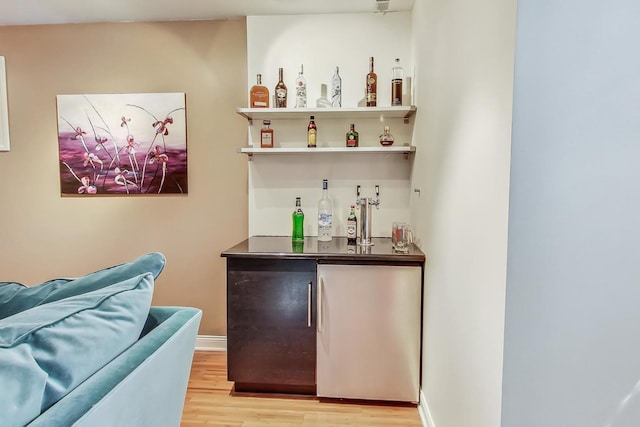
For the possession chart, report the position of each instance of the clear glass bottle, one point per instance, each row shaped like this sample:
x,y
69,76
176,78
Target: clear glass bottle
x,y
312,133
259,94
297,218
386,139
266,135
336,89
352,136
301,89
352,226
372,86
325,214
397,75
281,91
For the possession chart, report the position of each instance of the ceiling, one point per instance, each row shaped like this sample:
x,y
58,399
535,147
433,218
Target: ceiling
x,y
30,12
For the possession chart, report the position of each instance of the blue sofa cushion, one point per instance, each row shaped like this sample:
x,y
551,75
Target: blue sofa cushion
x,y
48,350
15,297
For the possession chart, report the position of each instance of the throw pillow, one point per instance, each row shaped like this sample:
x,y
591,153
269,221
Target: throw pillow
x,y
48,350
15,297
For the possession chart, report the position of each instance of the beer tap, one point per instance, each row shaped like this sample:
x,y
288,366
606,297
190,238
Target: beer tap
x,y
364,205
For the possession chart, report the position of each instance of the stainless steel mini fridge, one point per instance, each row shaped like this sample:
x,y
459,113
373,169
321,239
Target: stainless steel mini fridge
x,y
368,332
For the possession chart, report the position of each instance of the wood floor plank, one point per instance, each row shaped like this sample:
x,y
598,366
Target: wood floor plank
x,y
211,403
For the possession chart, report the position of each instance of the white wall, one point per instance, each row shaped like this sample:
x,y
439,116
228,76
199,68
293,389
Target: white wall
x,y
321,42
572,353
464,55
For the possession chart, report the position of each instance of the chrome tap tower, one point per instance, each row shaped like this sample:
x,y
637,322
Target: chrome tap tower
x,y
364,204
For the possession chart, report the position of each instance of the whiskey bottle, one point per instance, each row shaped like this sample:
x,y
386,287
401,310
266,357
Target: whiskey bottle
x,y
397,74
386,138
281,91
312,133
325,214
372,86
266,135
352,226
259,95
336,89
301,89
297,234
352,136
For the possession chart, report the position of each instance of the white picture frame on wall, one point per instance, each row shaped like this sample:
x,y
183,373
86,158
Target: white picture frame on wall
x,y
4,108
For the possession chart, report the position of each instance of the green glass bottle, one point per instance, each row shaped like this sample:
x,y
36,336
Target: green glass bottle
x,y
298,223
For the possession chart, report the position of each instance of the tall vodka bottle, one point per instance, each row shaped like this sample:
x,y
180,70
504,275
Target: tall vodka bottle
x,y
297,234
336,89
325,214
301,89
397,75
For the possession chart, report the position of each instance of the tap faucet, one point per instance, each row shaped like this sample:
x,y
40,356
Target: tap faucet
x,y
364,204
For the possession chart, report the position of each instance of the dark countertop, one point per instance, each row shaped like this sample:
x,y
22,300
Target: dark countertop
x,y
337,250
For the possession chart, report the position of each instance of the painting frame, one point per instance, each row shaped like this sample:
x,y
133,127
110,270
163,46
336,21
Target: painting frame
x,y
122,144
4,108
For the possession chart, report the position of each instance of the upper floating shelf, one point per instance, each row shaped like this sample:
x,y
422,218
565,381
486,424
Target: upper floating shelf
x,y
328,113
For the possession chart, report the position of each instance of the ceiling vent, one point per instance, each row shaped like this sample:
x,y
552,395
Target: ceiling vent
x,y
382,6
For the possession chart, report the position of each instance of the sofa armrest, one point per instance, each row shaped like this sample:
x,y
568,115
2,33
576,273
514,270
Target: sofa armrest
x,y
144,386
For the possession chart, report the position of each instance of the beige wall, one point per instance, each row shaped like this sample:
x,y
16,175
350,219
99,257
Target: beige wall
x,y
44,235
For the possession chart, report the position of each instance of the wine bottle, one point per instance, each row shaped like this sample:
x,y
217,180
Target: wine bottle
x,y
259,94
352,136
325,214
352,226
336,89
281,91
312,133
266,135
397,74
301,89
372,86
297,234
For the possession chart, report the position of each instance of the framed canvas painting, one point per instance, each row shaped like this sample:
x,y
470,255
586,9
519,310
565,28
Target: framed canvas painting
x,y
122,144
4,108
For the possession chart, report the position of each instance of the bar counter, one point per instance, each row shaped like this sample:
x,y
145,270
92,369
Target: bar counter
x,y
336,250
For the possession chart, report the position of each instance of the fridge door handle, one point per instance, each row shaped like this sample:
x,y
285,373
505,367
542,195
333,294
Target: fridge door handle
x,y
319,305
309,305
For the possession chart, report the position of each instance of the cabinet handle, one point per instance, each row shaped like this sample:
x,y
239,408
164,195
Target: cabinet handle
x,y
309,305
319,305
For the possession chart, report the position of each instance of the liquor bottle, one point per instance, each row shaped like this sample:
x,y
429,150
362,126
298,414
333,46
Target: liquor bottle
x,y
281,91
352,226
301,90
372,86
352,136
325,214
336,89
397,74
312,133
266,135
259,95
386,138
297,235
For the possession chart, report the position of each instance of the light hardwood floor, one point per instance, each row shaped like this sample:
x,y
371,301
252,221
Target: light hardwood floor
x,y
209,402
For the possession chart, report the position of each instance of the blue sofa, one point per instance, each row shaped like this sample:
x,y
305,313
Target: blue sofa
x,y
92,351
144,386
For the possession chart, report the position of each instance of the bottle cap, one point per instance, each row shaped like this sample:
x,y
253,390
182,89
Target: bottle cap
x,y
266,122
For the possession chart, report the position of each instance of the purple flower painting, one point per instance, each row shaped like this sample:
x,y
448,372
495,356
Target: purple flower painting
x,y
122,144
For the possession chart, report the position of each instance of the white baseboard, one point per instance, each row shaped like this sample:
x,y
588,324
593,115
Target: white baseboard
x,y
211,343
423,410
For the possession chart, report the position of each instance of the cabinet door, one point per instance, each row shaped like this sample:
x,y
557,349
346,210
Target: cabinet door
x,y
271,324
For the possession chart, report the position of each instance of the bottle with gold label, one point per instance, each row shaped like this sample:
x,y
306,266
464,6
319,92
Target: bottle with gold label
x,y
312,133
386,139
281,91
266,135
372,86
259,95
